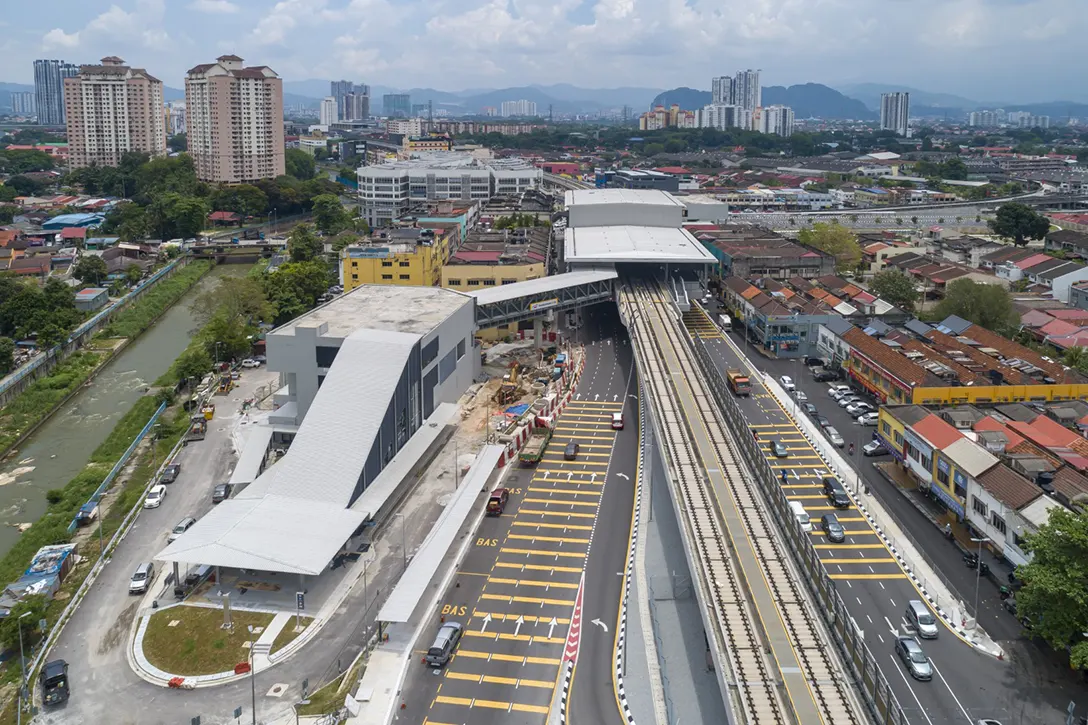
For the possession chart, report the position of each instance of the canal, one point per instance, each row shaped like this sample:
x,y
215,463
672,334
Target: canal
x,y
61,447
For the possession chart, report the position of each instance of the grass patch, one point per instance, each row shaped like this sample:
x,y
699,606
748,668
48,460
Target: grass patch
x,y
39,399
198,645
138,316
329,698
288,634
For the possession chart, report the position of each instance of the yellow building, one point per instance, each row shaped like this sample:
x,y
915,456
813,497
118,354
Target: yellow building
x,y
435,142
482,263
412,257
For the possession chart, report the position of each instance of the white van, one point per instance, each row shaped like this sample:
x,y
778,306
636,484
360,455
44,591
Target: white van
x,y
801,515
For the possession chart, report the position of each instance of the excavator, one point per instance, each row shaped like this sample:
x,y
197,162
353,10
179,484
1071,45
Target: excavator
x,y
509,391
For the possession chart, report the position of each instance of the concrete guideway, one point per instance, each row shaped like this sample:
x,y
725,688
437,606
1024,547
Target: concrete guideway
x,y
813,688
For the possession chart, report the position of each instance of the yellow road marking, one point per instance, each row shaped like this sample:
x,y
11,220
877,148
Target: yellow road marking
x,y
863,560
579,463
531,583
493,680
550,539
566,491
557,513
500,616
606,403
514,637
520,659
819,532
539,552
558,501
867,576
537,567
527,600
588,482
447,700
572,527
850,546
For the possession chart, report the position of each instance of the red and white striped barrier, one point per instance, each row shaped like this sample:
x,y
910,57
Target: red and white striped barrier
x,y
552,409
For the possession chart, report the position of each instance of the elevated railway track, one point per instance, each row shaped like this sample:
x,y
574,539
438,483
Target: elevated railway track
x,y
774,662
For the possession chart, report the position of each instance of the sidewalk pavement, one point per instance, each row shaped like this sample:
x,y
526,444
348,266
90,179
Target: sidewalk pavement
x,y
933,587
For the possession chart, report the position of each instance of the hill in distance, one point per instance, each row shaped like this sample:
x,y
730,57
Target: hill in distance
x,y
807,100
869,94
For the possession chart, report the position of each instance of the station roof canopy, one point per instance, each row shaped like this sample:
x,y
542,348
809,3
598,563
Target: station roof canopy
x,y
620,196
612,244
553,283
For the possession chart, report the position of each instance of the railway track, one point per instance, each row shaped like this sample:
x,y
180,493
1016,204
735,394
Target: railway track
x,y
741,561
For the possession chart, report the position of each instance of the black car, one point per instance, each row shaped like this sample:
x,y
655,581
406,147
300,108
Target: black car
x,y
821,421
836,534
836,494
170,473
809,408
823,375
54,682
221,493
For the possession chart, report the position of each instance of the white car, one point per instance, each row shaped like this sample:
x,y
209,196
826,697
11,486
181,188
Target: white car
x,y
251,363
787,383
155,497
848,399
837,391
858,408
869,418
874,448
800,395
833,436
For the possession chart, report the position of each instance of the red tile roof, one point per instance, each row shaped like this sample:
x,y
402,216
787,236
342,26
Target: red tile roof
x,y
223,216
1009,487
73,233
991,423
478,256
938,432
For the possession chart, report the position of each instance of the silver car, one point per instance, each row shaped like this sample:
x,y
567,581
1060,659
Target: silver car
x,y
833,436
913,658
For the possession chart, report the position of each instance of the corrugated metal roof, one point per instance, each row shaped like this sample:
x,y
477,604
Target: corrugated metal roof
x,y
970,457
541,285
634,244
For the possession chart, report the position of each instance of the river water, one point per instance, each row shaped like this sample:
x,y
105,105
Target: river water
x,y
61,447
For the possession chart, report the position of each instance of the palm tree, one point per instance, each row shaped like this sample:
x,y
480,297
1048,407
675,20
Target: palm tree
x,y
899,221
1075,357
914,220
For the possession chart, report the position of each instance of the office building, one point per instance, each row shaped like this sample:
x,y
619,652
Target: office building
x,y
22,103
235,121
777,120
721,91
405,126
49,78
175,118
352,100
408,257
327,112
518,108
388,191
895,112
397,105
747,92
112,109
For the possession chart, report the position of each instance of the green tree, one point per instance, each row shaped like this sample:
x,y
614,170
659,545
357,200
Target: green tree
x,y
20,161
1054,598
195,362
7,355
178,142
240,299
175,215
233,335
954,168
294,288
133,273
25,615
342,240
24,185
1075,357
836,240
302,244
1019,222
986,305
330,216
895,287
299,164
244,199
90,269
7,213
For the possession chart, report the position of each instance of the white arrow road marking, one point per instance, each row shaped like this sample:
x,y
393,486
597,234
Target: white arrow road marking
x,y
486,621
596,396
601,624
551,627
895,632
517,628
624,476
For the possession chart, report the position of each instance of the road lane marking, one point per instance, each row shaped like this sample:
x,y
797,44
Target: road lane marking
x,y
542,552
862,532
510,637
899,575
527,600
531,583
549,539
502,616
858,561
571,527
570,480
574,463
568,491
577,515
605,403
559,502
564,569
447,700
851,546
895,664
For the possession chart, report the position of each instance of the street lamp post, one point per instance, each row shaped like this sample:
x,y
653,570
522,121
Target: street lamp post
x,y
217,344
22,669
252,680
978,572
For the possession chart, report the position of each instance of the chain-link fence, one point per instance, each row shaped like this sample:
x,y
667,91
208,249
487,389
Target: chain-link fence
x,y
860,661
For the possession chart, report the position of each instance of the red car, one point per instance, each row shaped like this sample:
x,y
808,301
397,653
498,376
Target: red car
x,y
496,504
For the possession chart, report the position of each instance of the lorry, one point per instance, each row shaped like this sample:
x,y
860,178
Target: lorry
x,y
725,323
535,446
198,427
54,682
739,383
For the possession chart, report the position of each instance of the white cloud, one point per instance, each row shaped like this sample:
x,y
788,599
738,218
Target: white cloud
x,y
214,7
57,38
142,26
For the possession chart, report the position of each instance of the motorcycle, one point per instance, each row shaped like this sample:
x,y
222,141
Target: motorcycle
x,y
972,562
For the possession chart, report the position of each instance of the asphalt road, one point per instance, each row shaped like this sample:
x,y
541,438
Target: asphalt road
x,y
1032,685
527,565
967,685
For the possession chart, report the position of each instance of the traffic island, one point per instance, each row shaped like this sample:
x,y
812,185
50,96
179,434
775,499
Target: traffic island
x,y
288,634
190,641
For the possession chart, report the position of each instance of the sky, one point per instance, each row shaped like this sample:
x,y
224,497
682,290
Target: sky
x,y
1000,50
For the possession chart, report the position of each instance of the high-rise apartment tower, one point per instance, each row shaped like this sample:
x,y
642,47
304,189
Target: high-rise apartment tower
x,y
895,112
49,78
